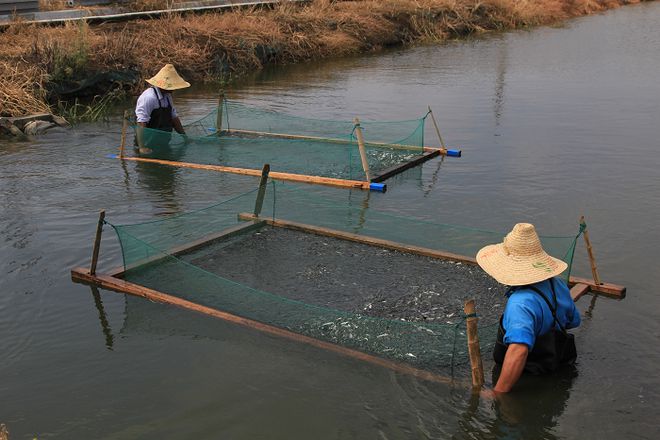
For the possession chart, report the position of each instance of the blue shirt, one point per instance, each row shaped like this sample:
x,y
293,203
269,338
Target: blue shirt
x,y
527,316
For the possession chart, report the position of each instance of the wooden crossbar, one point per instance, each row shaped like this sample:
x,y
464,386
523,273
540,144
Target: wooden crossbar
x,y
105,281
335,140
398,169
606,289
303,178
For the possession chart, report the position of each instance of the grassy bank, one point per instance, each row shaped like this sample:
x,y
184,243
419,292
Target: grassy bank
x,y
59,68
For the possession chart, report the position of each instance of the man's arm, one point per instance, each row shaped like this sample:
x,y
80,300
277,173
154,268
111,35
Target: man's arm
x,y
176,123
512,368
139,135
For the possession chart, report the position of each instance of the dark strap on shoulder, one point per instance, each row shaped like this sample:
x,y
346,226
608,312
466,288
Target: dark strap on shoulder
x,y
553,310
157,98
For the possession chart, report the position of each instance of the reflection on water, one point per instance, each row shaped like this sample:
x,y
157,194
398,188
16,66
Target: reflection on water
x,y
103,319
553,123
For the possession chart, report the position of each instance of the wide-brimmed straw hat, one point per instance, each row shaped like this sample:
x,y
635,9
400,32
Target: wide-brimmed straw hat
x,y
520,259
168,79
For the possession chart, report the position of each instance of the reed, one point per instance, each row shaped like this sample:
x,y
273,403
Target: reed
x,y
212,45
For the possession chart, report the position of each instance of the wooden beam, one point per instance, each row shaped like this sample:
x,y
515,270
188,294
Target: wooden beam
x,y
97,242
302,178
358,238
258,204
437,130
361,147
332,140
183,249
398,169
108,282
607,289
578,291
592,260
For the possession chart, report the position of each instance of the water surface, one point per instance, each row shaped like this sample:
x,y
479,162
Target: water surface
x,y
553,123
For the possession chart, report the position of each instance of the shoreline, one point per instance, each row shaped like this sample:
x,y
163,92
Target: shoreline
x,y
77,70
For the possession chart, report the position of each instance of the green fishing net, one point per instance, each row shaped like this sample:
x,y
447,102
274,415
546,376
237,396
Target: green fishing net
x,y
249,137
217,258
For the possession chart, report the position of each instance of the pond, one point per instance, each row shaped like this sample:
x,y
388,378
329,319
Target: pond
x,y
553,123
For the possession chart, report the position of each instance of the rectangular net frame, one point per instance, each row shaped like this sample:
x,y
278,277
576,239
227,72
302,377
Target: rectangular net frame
x,y
236,138
159,263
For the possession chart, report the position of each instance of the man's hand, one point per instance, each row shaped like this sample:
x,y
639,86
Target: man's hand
x,y
487,394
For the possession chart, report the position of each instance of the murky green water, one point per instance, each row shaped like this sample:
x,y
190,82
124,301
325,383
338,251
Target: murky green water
x,y
553,123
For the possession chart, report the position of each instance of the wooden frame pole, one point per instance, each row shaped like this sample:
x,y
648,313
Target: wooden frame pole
x,y
473,344
124,129
443,151
363,152
592,260
97,243
218,120
262,190
437,130
108,282
276,175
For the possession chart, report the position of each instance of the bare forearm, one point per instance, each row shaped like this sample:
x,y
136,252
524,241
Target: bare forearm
x,y
139,134
176,122
512,368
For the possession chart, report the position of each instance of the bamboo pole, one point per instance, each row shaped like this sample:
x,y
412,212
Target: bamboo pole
x,y
97,243
291,177
473,344
262,190
124,129
592,260
437,130
363,152
218,121
443,151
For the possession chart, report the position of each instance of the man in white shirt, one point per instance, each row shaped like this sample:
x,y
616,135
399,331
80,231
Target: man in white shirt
x,y
155,110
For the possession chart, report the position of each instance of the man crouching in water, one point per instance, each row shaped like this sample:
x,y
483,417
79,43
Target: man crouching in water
x,y
155,110
532,334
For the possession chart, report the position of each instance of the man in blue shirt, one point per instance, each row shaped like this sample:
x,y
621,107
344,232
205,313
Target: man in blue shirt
x,y
532,335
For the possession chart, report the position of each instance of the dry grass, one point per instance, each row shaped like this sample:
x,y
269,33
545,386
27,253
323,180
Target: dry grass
x,y
215,44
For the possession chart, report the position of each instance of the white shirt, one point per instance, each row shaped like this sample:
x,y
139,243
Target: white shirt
x,y
148,102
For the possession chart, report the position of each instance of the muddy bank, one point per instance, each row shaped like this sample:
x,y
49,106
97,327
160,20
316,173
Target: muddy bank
x,y
57,69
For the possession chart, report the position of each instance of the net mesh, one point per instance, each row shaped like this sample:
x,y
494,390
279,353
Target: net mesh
x,y
251,137
153,257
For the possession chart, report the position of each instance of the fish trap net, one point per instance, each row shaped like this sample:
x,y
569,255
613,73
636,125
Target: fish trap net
x,y
241,136
386,302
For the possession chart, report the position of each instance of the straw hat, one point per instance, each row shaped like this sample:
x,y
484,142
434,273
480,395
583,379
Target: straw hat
x,y
520,259
168,79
